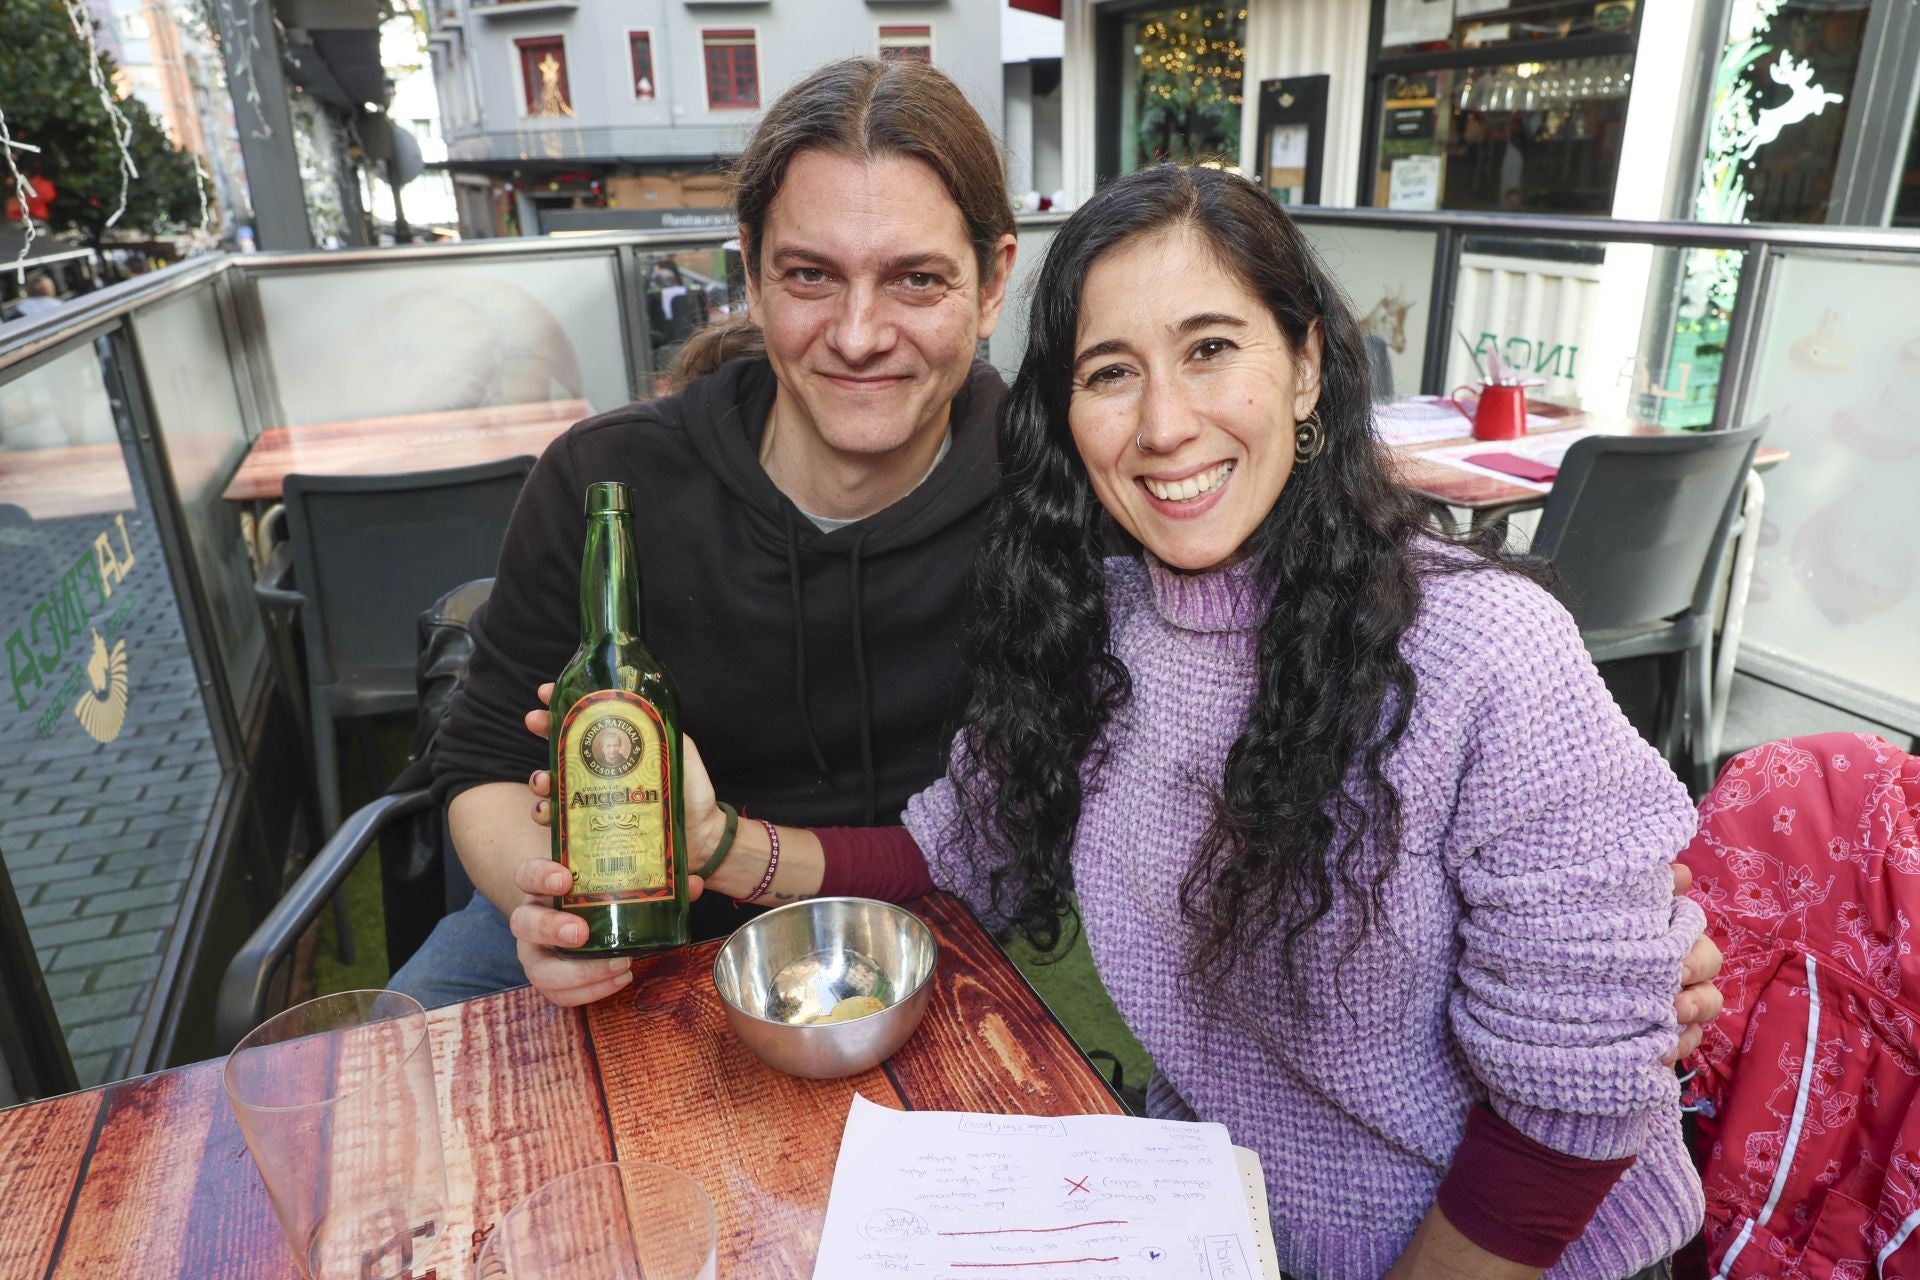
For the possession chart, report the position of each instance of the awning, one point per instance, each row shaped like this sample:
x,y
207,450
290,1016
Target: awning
x,y
1045,8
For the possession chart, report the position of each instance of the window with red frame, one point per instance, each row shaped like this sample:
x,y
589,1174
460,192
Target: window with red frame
x,y
733,69
906,44
641,44
544,99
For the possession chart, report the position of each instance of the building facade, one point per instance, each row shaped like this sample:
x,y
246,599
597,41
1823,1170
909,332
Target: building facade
x,y
1721,110
579,114
1030,47
1793,111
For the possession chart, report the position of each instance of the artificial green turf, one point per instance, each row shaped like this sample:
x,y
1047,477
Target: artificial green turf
x,y
391,736
369,967
1066,980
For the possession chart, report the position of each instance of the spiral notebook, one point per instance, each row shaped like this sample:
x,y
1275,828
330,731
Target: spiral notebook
x,y
948,1193
1253,1181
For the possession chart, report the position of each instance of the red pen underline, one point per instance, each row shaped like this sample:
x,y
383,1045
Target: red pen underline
x,y
1039,1231
1056,1262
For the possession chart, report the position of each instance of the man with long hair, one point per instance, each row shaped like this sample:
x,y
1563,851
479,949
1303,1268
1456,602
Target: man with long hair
x,y
830,478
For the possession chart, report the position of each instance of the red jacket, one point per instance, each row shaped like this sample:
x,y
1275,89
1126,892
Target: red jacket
x,y
1807,863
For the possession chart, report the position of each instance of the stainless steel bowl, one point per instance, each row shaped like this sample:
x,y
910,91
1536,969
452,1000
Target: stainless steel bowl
x,y
782,971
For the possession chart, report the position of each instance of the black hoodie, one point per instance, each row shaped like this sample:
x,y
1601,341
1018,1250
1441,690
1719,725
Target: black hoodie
x,y
817,671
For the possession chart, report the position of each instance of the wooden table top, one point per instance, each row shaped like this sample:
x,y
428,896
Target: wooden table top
x,y
404,442
150,1177
74,480
91,479
1479,492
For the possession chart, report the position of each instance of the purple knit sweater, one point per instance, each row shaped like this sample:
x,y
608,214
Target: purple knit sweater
x,y
1536,940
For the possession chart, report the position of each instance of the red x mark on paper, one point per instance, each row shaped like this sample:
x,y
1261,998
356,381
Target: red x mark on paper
x,y
1074,1185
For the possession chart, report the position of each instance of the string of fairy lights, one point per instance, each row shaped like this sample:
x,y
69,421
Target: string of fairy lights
x,y
22,194
1207,62
118,125
119,129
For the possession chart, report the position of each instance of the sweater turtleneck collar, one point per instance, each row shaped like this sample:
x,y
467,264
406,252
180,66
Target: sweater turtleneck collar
x,y
1219,601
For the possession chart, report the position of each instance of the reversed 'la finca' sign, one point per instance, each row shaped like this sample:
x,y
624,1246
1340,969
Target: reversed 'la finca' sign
x,y
1530,355
61,623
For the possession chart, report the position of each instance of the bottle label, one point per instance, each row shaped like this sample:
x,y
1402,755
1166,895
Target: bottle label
x,y
612,800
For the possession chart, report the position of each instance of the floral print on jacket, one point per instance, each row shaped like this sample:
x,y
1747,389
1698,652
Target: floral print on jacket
x,y
1807,863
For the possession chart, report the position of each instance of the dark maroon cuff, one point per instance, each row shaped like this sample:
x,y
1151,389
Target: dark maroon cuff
x,y
872,862
1518,1199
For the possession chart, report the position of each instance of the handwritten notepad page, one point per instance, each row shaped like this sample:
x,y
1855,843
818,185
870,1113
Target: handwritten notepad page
x,y
946,1193
1420,420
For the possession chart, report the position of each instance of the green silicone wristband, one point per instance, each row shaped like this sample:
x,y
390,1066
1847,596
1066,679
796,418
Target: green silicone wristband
x,y
725,847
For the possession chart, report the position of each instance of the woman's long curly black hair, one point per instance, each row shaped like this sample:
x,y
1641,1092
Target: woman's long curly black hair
x,y
1305,794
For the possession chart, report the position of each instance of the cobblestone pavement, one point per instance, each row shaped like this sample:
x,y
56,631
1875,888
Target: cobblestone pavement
x,y
99,838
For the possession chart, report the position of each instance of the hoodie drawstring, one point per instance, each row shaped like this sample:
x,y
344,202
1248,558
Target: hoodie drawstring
x,y
800,651
869,777
860,677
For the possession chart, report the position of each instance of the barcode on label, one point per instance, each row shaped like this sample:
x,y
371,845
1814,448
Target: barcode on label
x,y
615,866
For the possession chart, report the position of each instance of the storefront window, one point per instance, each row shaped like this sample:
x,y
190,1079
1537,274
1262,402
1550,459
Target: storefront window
x,y
1773,141
1428,26
1176,74
1535,136
906,44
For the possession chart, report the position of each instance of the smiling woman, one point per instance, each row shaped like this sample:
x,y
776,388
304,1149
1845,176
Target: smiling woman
x,y
1366,855
1186,402
1191,345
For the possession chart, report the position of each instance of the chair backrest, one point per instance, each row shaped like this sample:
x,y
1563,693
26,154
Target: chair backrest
x,y
686,312
1636,525
421,877
370,553
1379,366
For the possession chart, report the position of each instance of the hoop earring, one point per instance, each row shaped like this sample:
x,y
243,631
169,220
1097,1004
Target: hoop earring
x,y
1140,442
1308,438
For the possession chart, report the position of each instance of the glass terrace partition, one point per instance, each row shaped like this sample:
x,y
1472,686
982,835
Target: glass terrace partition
x,y
1387,275
1836,588
153,793
194,398
110,764
372,339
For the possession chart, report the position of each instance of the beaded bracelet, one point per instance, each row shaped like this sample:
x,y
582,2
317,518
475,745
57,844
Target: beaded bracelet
x,y
725,847
773,865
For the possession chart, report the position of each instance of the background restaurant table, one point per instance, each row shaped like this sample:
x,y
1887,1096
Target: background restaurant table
x,y
56,482
1482,492
404,442
150,1178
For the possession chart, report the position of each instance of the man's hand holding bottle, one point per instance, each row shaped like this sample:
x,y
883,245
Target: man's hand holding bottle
x,y
541,931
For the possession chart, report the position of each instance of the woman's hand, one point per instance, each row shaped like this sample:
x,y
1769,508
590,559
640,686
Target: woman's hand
x,y
1699,1001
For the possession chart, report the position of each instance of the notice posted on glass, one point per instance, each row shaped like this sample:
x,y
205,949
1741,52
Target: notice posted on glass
x,y
945,1193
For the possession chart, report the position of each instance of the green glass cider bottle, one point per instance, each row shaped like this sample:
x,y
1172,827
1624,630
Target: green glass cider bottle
x,y
618,817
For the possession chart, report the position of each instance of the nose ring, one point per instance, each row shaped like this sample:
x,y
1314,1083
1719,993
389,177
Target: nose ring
x,y
1140,442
